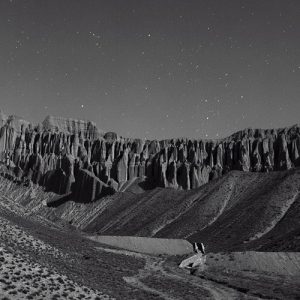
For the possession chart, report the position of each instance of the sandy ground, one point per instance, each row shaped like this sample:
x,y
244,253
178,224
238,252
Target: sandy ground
x,y
277,263
38,262
171,283
154,246
20,278
31,268
44,260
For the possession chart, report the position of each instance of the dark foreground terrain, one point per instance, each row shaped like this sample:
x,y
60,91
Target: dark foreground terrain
x,y
45,255
38,261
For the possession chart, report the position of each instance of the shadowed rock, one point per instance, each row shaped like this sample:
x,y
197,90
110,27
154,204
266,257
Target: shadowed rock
x,y
66,146
88,187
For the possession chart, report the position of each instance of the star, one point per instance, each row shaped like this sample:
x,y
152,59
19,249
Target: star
x,y
192,78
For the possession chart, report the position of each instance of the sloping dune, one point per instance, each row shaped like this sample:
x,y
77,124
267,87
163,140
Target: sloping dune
x,y
275,263
165,212
240,211
147,245
242,218
268,210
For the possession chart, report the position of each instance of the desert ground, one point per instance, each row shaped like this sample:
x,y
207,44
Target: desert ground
x,y
43,257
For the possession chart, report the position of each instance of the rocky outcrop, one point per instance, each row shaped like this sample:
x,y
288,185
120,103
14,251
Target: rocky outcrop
x,y
89,188
73,156
84,129
284,162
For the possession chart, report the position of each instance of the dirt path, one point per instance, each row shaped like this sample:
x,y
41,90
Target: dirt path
x,y
154,267
52,258
40,262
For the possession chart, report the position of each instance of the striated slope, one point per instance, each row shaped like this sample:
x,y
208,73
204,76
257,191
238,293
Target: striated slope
x,y
161,212
236,212
252,216
40,258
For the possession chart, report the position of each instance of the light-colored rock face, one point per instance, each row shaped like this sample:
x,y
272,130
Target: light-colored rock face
x,y
66,146
110,137
82,128
3,118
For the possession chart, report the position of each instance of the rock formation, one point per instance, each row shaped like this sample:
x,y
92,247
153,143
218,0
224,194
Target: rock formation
x,y
73,156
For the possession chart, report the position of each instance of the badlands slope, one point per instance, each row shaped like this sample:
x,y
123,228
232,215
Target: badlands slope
x,y
68,190
49,246
239,211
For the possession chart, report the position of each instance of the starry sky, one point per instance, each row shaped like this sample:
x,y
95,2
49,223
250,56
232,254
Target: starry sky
x,y
153,68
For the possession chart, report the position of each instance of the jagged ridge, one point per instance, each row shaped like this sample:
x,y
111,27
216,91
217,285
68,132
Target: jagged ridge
x,y
66,155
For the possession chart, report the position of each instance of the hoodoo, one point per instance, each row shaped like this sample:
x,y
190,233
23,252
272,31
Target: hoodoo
x,y
79,155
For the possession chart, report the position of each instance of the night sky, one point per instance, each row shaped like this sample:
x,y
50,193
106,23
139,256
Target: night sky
x,y
153,68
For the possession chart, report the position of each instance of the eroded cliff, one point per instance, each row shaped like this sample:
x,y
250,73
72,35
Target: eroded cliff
x,y
73,156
